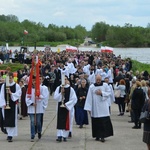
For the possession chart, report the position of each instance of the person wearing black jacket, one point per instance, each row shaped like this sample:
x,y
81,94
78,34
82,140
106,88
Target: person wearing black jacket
x,y
81,114
57,81
46,77
138,99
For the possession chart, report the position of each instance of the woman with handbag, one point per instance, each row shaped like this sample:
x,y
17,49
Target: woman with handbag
x,y
146,129
121,99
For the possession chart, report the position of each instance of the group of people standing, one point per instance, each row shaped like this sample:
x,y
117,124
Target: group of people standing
x,y
90,80
10,97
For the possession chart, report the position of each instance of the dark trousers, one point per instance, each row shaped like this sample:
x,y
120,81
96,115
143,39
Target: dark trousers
x,y
51,86
136,113
121,104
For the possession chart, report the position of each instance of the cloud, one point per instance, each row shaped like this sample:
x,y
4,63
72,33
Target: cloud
x,y
84,12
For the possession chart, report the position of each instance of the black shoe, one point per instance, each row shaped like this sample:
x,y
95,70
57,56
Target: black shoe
x,y
39,135
9,138
81,126
135,127
70,135
97,139
130,121
59,139
102,140
119,115
64,139
122,114
4,131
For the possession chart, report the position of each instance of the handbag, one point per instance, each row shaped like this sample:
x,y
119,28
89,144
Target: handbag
x,y
127,99
143,116
117,93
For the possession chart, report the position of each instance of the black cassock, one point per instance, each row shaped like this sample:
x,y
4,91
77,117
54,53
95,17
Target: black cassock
x,y
63,113
9,120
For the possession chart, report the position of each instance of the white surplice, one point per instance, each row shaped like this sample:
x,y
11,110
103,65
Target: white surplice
x,y
98,105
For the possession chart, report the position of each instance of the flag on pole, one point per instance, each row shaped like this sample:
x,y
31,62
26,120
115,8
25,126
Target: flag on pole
x,y
34,72
30,79
37,92
25,32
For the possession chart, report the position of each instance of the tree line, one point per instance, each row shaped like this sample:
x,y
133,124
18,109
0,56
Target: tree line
x,y
11,31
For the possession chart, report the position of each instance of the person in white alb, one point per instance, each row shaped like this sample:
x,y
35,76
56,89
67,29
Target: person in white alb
x,y
10,116
64,95
97,105
36,107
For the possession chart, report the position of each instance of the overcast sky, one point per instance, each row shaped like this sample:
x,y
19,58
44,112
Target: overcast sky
x,y
84,12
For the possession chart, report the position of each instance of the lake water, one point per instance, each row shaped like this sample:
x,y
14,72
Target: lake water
x,y
139,54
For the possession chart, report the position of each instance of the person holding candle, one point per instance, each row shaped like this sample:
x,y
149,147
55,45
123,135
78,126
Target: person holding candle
x,y
10,94
66,98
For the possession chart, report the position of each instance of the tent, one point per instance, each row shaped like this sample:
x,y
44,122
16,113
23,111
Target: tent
x,y
71,49
106,49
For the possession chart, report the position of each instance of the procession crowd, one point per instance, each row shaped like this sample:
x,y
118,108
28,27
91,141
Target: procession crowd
x,y
92,81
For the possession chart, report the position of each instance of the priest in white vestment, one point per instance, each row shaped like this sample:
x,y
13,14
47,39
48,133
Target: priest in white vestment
x,y
98,107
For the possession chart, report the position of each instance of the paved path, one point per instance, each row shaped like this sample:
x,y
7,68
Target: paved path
x,y
125,138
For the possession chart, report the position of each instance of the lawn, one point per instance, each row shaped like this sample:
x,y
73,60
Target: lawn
x,y
14,66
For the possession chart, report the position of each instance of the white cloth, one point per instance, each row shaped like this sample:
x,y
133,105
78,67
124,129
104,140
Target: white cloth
x,y
98,105
62,133
65,71
86,69
91,78
71,68
103,75
109,75
111,97
98,71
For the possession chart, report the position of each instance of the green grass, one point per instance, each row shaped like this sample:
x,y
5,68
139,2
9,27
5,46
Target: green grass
x,y
140,66
14,66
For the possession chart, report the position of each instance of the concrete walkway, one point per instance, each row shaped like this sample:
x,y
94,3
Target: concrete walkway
x,y
125,138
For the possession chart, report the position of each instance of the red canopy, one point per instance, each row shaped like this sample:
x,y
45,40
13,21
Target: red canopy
x,y
71,49
106,49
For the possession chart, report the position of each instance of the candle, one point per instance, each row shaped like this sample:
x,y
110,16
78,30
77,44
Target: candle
x,y
7,80
62,79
